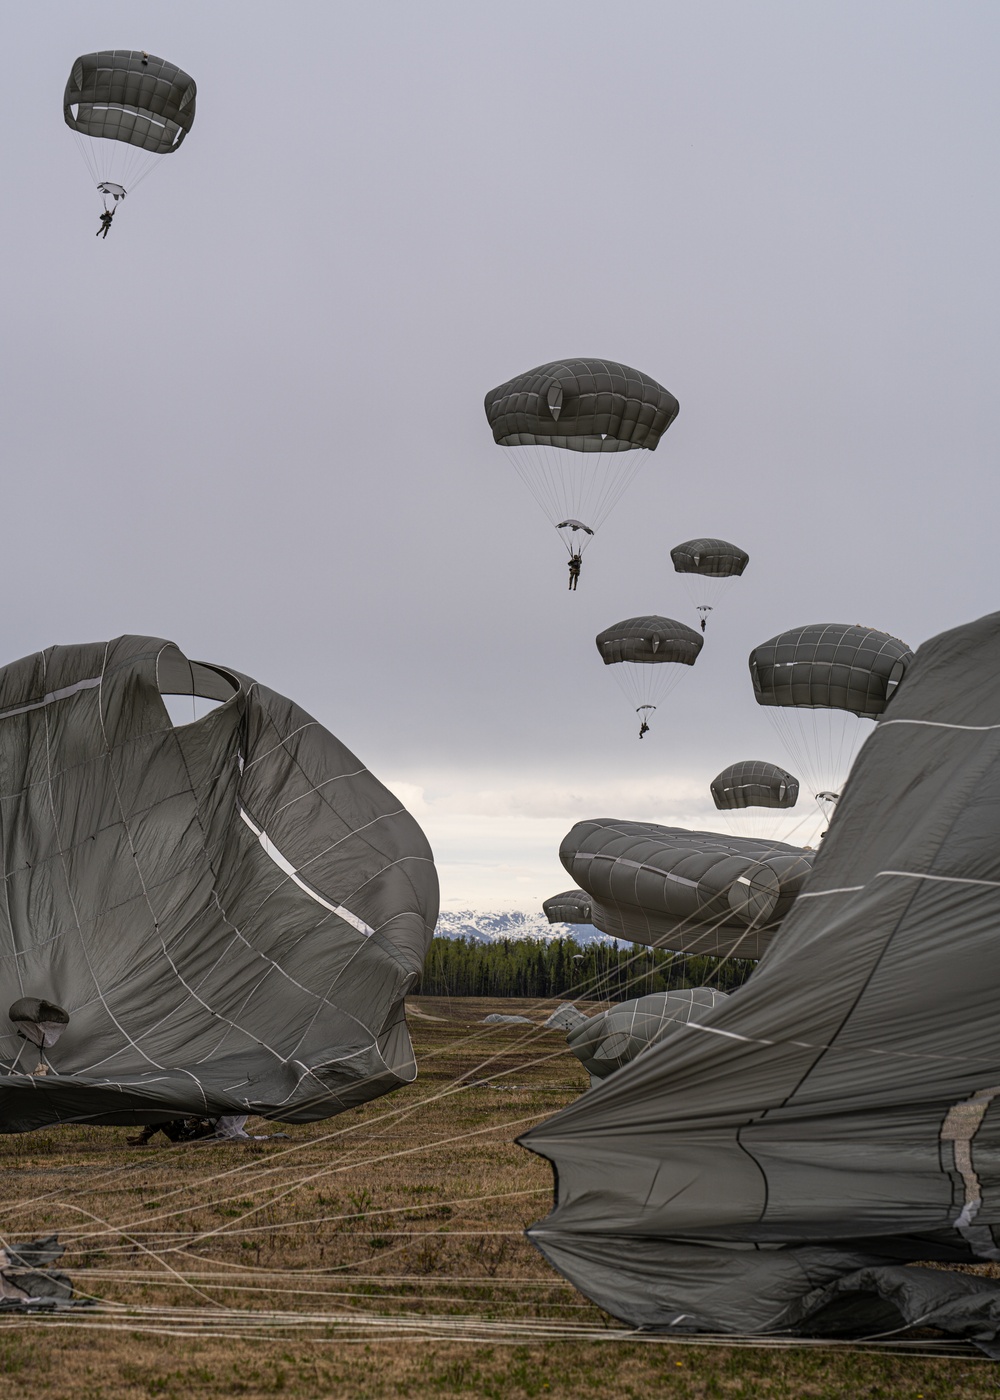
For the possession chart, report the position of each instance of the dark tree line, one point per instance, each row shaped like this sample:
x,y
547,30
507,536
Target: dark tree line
x,y
526,967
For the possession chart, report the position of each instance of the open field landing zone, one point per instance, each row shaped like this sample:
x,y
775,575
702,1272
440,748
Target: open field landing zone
x,y
378,1254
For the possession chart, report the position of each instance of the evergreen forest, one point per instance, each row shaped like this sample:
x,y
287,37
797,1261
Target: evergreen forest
x,y
527,967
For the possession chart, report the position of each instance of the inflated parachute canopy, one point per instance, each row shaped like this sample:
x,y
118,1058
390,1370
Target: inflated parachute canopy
x,y
709,557
230,912
830,665
690,891
613,1038
754,783
570,907
782,1166
649,641
127,95
582,405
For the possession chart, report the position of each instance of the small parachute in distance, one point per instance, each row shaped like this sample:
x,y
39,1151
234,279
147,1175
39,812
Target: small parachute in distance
x,y
613,1038
128,109
570,907
647,654
749,792
754,783
565,427
709,567
820,685
709,558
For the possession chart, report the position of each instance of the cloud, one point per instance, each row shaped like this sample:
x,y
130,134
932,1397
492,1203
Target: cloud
x,y
496,837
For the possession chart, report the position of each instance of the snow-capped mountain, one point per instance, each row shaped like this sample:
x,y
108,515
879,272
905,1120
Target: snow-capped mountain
x,y
487,927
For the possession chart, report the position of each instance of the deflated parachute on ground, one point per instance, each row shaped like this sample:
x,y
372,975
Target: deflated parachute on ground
x,y
230,912
691,891
565,426
613,1038
777,1168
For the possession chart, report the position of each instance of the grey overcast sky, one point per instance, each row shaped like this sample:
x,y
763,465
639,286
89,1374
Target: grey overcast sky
x,y
251,420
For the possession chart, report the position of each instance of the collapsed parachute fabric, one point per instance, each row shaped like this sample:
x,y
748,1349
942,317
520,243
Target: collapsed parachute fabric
x,y
608,1041
690,891
709,567
565,426
646,653
570,907
230,913
128,108
778,1167
821,686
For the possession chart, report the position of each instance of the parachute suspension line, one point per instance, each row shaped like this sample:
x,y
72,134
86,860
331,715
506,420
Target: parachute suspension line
x,y
115,161
646,686
706,593
142,169
89,157
581,485
761,822
822,744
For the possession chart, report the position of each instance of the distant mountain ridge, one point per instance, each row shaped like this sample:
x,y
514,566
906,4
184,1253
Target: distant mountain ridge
x,y
484,926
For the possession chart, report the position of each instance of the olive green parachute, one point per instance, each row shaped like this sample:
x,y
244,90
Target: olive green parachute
x,y
754,783
690,891
581,406
829,665
820,1154
219,917
710,558
647,653
750,793
570,907
39,1022
573,430
127,108
613,1038
708,567
821,686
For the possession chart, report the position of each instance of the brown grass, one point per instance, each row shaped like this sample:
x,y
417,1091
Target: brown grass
x,y
346,1260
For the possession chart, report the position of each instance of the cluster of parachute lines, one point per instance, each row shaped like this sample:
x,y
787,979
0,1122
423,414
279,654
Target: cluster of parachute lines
x,y
354,1327
155,1254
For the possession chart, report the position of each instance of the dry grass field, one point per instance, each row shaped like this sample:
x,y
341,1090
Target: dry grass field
x,y
378,1254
